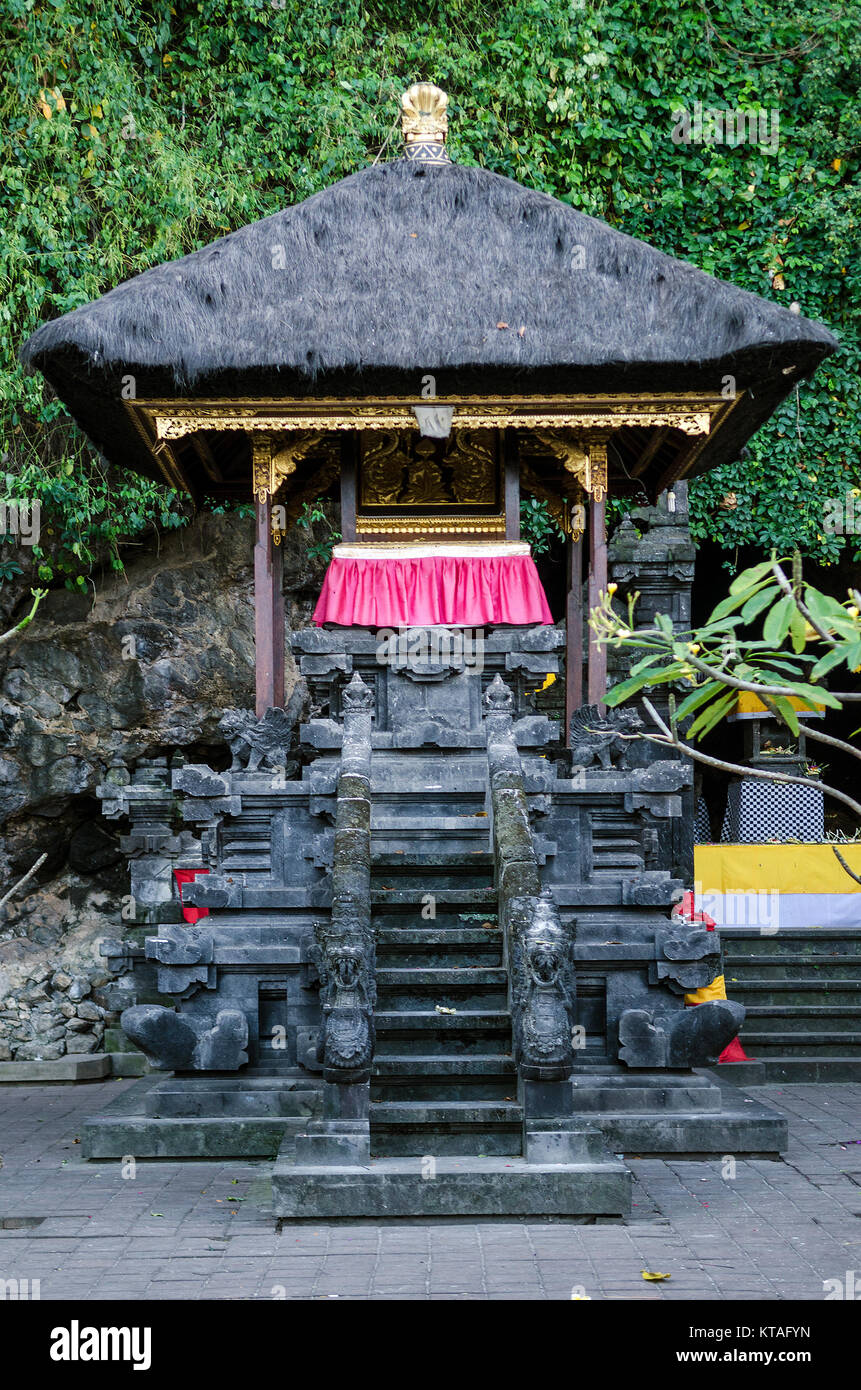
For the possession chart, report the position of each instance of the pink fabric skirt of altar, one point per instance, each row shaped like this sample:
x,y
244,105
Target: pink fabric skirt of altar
x,y
456,590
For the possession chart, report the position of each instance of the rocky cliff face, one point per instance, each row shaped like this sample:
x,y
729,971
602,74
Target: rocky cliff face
x,y
145,667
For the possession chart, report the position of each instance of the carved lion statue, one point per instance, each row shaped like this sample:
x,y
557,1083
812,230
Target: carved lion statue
x,y
597,737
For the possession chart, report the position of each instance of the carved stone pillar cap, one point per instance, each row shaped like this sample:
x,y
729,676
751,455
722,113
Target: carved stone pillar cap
x,y
498,697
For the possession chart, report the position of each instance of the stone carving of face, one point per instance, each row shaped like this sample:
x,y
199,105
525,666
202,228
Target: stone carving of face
x,y
345,967
544,963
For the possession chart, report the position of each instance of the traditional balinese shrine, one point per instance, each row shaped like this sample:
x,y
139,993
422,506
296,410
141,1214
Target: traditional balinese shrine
x,y
434,968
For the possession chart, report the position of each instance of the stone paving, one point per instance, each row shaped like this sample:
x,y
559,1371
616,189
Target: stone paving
x,y
759,1230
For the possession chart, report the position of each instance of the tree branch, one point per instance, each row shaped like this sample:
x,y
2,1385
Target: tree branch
x,y
21,881
669,741
850,872
805,612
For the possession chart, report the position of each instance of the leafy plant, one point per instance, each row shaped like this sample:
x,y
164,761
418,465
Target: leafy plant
x,y
537,526
711,664
322,536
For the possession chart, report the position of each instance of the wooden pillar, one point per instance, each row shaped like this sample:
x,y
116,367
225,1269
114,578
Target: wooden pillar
x,y
511,469
268,613
349,483
597,676
574,633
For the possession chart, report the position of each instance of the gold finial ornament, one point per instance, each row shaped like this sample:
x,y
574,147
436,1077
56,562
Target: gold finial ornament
x,y
425,123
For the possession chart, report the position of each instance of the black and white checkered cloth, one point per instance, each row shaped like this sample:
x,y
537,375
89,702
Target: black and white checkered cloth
x,y
758,811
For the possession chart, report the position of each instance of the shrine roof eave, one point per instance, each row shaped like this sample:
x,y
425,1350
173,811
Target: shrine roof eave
x,y
98,399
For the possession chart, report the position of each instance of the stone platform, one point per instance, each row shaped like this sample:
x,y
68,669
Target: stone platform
x,y
463,1187
202,1117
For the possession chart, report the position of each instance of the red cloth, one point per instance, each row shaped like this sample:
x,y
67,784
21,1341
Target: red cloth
x,y
461,590
189,914
733,1052
686,909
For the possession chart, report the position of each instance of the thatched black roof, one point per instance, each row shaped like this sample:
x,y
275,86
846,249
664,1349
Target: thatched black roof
x,y
408,268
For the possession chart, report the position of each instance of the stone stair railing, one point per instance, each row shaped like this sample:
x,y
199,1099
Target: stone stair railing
x,y
539,951
345,943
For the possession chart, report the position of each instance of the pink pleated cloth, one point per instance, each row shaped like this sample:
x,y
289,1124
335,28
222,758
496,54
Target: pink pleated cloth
x,y
490,584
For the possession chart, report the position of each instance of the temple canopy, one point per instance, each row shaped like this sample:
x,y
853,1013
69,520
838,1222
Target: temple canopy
x,y
423,267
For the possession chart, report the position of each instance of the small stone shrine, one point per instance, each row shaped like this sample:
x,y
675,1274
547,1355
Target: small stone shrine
x,y
423,956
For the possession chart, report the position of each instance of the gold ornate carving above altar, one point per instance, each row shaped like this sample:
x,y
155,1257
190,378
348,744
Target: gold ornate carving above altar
x,y
396,469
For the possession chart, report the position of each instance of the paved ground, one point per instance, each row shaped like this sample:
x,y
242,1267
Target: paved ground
x,y
203,1230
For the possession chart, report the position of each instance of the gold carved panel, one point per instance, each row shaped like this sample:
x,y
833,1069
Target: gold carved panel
x,y
401,469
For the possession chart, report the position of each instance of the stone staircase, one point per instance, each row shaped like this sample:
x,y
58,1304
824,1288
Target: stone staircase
x,y
443,1082
802,991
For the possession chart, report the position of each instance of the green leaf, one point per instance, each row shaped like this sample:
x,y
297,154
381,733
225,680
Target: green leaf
x,y
698,697
787,711
755,605
798,630
776,624
827,662
712,715
749,578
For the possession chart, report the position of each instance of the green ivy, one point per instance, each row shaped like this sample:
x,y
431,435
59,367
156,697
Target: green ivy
x,y
135,131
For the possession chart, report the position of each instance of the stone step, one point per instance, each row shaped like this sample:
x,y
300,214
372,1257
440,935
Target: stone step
x,y
496,1186
791,943
450,1112
464,898
421,999
421,826
460,861
445,1127
762,1045
431,933
443,1089
483,1064
432,977
485,956
773,994
450,1036
824,961
803,1017
465,1021
838,974
807,1069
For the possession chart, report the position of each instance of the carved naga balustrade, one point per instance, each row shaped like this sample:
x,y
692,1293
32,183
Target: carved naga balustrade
x,y
539,950
345,951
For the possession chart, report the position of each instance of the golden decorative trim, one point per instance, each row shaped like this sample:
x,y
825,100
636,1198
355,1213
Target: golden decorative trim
x,y
164,457
472,457
430,525
690,412
271,466
462,470
381,468
596,473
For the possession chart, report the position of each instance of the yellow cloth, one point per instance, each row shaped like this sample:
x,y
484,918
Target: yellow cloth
x,y
800,868
716,990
